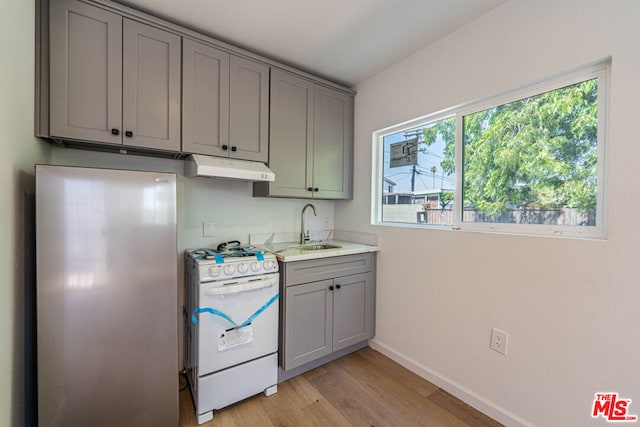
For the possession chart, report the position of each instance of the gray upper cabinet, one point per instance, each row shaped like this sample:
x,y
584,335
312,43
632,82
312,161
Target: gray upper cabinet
x,y
85,72
205,99
332,144
291,135
225,109
108,74
311,140
151,87
249,109
112,79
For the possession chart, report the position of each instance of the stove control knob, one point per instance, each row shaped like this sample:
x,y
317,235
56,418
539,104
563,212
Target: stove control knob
x,y
242,268
255,266
268,265
228,269
215,271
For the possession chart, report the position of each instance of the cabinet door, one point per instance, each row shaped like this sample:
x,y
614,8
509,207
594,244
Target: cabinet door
x,y
332,144
151,87
352,310
249,110
291,134
205,103
308,323
85,72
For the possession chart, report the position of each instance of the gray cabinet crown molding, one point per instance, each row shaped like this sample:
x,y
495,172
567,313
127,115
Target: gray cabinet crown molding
x,y
42,85
199,35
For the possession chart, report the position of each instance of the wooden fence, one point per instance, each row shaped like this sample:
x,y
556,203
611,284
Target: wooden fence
x,y
563,216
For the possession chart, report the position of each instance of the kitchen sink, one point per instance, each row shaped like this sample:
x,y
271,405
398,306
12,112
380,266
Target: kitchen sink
x,y
318,247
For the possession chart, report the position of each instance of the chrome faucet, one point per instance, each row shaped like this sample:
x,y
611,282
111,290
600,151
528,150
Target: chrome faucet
x,y
304,238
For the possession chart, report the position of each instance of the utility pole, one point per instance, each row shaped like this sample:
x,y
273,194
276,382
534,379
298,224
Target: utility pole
x,y
414,171
413,178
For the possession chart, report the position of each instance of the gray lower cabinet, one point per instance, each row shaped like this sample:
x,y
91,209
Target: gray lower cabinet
x,y
311,140
324,316
225,110
309,323
112,79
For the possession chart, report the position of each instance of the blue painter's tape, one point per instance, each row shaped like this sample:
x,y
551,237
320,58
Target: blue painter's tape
x,y
219,259
211,311
259,256
260,310
218,313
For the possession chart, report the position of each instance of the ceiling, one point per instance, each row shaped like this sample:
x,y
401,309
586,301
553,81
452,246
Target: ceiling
x,y
346,41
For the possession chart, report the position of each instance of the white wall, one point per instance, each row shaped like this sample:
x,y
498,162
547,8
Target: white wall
x,y
19,150
570,307
228,204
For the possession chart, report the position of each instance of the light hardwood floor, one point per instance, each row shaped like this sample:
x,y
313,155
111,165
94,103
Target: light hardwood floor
x,y
362,389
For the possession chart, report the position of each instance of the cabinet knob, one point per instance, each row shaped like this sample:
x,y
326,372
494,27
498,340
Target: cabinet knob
x,y
337,286
234,149
224,147
129,133
310,189
331,287
316,189
115,131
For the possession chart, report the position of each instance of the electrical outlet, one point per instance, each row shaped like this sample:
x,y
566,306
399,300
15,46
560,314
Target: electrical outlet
x,y
207,229
327,224
498,341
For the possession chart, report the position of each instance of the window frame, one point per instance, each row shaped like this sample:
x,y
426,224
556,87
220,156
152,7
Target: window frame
x,y
600,70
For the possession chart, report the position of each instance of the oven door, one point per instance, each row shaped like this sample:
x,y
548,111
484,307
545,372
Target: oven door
x,y
237,321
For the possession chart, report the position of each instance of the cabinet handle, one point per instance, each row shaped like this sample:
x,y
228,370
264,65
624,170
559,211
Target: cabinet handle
x,y
234,149
337,286
224,147
331,287
115,131
129,133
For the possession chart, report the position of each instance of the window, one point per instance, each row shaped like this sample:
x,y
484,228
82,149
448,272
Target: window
x,y
418,177
528,162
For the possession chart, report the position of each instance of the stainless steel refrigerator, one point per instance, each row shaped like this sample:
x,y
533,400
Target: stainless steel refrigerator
x,y
107,311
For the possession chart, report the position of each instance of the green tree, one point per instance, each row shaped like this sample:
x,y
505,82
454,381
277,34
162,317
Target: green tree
x,y
446,128
538,152
445,198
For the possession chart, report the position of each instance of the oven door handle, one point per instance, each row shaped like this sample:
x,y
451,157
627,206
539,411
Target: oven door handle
x,y
241,287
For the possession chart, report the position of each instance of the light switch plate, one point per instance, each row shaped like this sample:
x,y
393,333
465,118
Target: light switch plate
x,y
207,229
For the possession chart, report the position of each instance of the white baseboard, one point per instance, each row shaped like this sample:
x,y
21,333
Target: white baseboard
x,y
471,398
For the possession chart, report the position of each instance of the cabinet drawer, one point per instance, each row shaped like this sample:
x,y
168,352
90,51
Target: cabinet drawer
x,y
298,272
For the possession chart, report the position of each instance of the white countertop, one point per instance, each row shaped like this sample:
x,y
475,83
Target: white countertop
x,y
292,251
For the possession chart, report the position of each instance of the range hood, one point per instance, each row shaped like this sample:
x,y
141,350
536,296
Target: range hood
x,y
222,167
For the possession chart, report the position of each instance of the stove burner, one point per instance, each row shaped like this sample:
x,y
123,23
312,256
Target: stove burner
x,y
224,251
223,246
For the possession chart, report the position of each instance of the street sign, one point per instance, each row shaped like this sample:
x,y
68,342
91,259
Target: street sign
x,y
404,153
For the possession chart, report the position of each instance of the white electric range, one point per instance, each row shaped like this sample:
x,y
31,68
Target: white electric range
x,y
231,327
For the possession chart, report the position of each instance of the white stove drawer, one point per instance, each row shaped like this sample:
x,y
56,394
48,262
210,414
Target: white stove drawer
x,y
215,391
